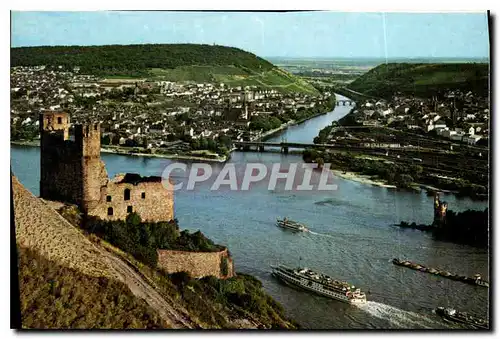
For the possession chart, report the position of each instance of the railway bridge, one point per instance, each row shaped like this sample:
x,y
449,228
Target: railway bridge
x,y
284,146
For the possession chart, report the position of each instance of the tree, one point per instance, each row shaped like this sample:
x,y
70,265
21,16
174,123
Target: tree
x,y
130,143
403,180
203,143
115,139
211,145
106,139
133,219
180,279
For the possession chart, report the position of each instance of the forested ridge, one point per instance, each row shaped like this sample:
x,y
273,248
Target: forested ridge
x,y
110,59
422,79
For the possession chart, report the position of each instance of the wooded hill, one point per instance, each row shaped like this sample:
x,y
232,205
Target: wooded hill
x,y
111,59
170,62
422,79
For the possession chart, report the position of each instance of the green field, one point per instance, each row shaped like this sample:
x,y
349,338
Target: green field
x,y
422,79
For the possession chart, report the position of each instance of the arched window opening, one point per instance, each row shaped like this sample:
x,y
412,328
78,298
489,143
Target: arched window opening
x,y
126,194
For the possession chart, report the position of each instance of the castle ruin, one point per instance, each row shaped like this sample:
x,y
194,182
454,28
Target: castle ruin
x,y
72,171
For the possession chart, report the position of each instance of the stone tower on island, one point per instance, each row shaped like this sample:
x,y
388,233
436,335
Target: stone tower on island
x,y
72,171
440,208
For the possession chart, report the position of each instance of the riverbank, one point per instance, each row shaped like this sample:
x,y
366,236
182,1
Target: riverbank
x,y
127,152
369,169
31,143
364,179
166,156
268,134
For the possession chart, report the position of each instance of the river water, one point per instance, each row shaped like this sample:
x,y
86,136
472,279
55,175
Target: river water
x,y
351,239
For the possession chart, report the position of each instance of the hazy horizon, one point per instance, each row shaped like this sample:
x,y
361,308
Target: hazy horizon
x,y
319,58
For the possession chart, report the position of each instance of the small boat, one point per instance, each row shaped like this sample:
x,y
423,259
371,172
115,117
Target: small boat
x,y
462,317
479,281
291,225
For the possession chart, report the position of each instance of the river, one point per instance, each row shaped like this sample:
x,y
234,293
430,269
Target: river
x,y
352,239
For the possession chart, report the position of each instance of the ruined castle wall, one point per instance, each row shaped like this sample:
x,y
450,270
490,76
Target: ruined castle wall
x,y
151,200
197,264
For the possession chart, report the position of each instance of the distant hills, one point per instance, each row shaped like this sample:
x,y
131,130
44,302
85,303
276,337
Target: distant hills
x,y
422,79
173,62
378,60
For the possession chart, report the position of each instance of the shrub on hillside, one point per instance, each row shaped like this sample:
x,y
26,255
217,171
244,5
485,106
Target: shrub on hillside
x,y
142,239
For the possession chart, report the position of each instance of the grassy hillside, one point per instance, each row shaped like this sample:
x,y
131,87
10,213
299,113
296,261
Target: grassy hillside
x,y
174,62
54,296
42,229
71,279
234,76
422,79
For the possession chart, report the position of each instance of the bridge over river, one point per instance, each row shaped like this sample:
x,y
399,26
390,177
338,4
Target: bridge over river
x,y
344,102
284,146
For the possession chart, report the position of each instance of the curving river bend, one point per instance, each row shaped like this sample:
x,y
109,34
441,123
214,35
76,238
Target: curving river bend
x,y
352,239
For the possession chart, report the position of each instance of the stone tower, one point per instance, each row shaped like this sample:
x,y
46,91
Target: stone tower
x,y
440,208
94,175
71,170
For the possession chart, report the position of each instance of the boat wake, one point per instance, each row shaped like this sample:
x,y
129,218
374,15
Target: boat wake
x,y
321,234
398,317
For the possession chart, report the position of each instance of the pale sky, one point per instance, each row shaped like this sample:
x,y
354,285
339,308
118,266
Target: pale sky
x,y
290,34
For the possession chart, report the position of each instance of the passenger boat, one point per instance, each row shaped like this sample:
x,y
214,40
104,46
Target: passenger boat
x,y
320,284
291,225
462,317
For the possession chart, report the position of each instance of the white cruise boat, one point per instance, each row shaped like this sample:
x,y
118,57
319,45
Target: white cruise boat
x,y
320,283
291,225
